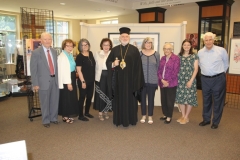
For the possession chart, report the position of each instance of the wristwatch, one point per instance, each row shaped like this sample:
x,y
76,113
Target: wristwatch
x,y
83,81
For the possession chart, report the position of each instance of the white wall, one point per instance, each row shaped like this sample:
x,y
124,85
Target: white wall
x,y
168,32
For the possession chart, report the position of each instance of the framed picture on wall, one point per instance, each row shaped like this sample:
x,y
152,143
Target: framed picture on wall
x,y
234,64
136,39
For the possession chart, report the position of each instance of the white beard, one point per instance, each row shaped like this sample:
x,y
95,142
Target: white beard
x,y
125,43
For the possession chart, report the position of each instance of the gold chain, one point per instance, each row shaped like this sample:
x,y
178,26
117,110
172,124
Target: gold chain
x,y
125,52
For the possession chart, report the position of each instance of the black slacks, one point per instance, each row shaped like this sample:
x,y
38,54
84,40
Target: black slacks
x,y
168,95
148,91
87,94
214,92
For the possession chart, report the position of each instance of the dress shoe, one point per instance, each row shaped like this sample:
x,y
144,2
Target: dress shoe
x,y
46,125
89,115
83,118
214,126
54,122
204,123
167,122
163,118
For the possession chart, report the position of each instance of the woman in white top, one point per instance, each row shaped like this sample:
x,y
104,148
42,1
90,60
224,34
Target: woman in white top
x,y
68,101
101,102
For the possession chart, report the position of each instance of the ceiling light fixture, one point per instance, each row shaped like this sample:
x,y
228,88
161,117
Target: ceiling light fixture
x,y
62,4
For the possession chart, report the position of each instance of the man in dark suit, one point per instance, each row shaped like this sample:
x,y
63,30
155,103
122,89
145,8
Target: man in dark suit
x,y
44,75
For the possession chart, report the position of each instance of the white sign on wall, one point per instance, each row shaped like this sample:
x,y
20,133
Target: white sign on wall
x,y
159,3
138,4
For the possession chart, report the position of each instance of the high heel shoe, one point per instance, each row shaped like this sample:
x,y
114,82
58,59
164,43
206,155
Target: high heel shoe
x,y
143,119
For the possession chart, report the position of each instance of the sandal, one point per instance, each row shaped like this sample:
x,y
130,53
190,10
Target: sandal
x,y
106,115
100,117
67,120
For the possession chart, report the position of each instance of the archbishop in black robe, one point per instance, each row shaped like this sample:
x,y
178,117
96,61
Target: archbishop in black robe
x,y
125,84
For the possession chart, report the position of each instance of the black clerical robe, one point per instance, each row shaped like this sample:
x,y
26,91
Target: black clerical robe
x,y
125,84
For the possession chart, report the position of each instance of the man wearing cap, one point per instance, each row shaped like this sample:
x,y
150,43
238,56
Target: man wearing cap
x,y
125,80
213,61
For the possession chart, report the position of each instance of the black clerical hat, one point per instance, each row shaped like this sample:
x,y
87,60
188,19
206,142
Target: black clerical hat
x,y
124,30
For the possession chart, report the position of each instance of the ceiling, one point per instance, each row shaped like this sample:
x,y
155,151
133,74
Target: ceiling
x,y
74,9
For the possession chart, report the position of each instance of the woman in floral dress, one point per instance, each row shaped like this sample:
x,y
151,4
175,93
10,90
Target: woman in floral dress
x,y
186,95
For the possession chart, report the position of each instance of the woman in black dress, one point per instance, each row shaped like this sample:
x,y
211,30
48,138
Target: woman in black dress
x,y
101,101
86,71
67,82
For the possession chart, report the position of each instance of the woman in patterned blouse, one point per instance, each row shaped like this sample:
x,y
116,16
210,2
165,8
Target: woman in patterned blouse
x,y
168,81
187,90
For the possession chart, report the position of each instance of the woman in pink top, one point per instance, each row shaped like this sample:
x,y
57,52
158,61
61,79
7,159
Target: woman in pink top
x,y
168,80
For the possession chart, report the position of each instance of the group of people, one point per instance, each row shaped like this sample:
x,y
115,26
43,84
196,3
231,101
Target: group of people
x,y
122,76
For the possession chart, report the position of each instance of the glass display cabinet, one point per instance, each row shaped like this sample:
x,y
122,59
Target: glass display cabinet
x,y
214,16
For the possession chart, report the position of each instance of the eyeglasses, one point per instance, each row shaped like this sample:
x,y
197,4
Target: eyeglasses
x,y
148,42
69,46
167,49
84,45
106,45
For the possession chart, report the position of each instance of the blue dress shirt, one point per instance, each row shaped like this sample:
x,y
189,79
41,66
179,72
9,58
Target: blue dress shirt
x,y
213,61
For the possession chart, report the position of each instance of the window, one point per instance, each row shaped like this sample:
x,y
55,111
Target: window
x,y
8,34
112,21
60,31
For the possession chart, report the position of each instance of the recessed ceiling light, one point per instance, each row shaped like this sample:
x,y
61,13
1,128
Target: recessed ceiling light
x,y
63,4
108,11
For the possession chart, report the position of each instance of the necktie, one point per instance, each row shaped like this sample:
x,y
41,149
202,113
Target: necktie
x,y
50,63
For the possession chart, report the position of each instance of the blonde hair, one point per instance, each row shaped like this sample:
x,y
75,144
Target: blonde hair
x,y
147,39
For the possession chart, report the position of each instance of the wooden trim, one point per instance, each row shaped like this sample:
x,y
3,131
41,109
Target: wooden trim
x,y
147,17
212,11
160,17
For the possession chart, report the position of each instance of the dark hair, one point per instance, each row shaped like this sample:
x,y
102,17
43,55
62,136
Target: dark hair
x,y
64,43
106,40
182,50
80,44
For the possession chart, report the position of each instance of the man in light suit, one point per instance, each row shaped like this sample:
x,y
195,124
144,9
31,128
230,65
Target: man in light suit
x,y
44,75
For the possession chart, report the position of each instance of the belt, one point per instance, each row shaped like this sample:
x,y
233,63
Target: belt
x,y
52,75
213,76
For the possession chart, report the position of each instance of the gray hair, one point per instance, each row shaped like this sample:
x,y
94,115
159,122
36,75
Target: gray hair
x,y
168,44
46,33
147,39
209,34
80,49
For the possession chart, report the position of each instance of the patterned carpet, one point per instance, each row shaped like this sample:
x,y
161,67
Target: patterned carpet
x,y
95,140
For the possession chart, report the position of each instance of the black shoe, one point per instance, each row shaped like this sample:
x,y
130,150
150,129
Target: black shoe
x,y
54,122
89,115
46,125
83,118
204,123
214,126
167,122
163,118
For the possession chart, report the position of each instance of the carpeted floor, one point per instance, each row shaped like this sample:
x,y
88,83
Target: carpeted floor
x,y
96,140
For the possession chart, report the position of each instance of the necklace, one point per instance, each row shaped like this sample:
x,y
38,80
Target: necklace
x,y
123,64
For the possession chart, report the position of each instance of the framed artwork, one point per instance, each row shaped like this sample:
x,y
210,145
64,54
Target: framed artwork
x,y
172,43
193,37
234,64
136,39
